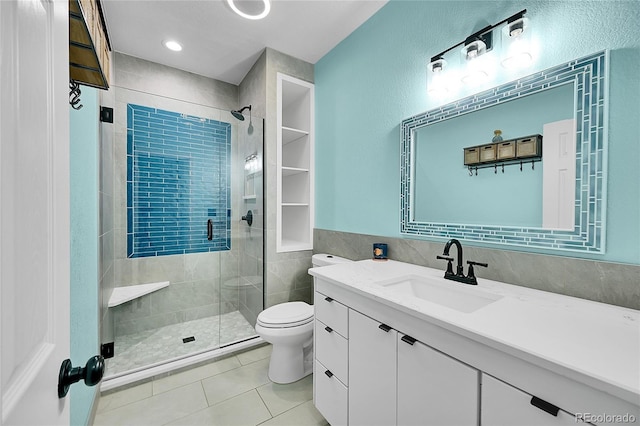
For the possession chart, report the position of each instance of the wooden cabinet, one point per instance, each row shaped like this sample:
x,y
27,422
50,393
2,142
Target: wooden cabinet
x,y
504,405
372,371
433,388
295,177
89,53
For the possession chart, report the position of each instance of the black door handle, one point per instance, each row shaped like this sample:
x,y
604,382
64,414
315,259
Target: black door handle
x,y
209,230
91,373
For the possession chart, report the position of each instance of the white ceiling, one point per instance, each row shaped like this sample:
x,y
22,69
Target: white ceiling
x,y
219,44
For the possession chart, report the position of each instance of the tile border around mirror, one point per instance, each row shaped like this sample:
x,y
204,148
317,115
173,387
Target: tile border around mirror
x,y
590,77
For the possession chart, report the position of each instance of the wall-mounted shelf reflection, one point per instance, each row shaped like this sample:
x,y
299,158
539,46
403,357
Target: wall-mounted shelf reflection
x,y
520,151
499,165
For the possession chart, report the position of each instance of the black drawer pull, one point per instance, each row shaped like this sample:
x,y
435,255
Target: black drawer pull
x,y
328,373
329,329
384,327
545,406
328,299
408,339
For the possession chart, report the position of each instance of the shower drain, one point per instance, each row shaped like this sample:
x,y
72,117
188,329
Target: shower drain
x,y
188,339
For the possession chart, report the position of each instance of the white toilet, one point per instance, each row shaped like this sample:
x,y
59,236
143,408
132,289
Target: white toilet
x,y
289,328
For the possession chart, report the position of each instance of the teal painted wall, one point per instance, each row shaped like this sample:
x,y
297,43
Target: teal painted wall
x,y
84,136
376,77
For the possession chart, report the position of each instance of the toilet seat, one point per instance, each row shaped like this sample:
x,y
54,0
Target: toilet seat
x,y
286,315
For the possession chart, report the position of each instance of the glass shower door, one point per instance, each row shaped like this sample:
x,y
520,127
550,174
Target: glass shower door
x,y
241,295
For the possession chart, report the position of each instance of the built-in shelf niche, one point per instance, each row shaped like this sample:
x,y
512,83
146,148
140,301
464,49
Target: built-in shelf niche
x,y
295,138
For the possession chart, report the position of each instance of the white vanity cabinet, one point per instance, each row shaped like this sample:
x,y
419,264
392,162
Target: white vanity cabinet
x,y
504,405
389,361
433,388
379,376
372,371
330,376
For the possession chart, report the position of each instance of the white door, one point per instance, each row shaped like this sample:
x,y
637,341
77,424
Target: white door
x,y
34,209
559,174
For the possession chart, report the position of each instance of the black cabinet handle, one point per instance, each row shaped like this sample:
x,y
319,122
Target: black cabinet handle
x,y
545,406
329,329
328,373
384,327
328,299
408,339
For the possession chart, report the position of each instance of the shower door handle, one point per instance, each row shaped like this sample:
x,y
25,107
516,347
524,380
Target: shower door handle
x,y
209,230
248,218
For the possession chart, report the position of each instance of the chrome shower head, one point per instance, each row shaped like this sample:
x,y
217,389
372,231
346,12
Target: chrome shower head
x,y
238,114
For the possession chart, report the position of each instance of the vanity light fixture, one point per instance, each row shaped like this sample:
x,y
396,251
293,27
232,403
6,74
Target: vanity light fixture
x,y
477,44
265,8
172,45
516,43
437,77
474,65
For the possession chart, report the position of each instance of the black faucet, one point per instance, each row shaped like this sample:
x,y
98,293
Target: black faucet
x,y
459,276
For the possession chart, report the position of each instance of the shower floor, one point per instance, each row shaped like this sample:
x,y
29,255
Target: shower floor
x,y
137,350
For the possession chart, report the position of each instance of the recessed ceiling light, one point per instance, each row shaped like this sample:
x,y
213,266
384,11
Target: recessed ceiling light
x,y
172,45
249,5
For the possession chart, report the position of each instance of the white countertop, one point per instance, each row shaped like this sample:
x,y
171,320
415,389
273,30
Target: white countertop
x,y
587,338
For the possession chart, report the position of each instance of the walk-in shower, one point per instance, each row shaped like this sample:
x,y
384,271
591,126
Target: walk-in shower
x,y
190,267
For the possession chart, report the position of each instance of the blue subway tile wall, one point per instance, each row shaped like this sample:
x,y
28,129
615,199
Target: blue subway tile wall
x,y
589,76
178,178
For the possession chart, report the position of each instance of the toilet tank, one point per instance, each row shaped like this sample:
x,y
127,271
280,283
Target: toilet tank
x,y
323,259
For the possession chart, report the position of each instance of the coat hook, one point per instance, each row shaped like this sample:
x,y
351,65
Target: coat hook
x,y
521,166
502,167
533,165
476,170
495,169
74,94
470,171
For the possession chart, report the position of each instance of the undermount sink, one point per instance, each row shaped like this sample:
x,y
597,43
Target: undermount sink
x,y
446,293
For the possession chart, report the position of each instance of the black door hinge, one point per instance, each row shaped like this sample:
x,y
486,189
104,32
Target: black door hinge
x,y
107,350
106,114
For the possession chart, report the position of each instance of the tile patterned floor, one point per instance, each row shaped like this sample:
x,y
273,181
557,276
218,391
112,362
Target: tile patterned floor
x,y
149,347
232,391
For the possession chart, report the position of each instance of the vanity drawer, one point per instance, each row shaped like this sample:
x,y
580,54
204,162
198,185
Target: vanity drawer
x,y
330,396
503,404
332,350
332,313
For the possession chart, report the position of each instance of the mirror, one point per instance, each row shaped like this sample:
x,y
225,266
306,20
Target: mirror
x,y
439,173
439,198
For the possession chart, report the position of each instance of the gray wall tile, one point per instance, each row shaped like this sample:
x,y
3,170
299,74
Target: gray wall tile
x,y
606,282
